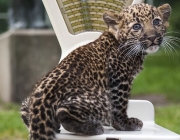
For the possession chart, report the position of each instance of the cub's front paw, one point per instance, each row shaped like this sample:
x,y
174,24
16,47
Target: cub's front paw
x,y
128,124
134,124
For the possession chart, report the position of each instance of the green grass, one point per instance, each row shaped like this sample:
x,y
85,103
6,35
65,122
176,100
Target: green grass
x,y
169,117
161,75
11,125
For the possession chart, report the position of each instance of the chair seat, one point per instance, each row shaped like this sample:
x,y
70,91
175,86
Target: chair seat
x,y
148,132
142,109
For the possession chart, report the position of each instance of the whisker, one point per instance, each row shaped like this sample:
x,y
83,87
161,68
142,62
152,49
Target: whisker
x,y
130,51
133,52
169,49
166,51
128,44
142,49
170,32
171,57
172,41
170,46
172,38
136,53
129,47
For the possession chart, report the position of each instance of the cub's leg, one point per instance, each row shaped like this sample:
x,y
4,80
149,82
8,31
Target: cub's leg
x,y
119,118
83,114
119,91
72,123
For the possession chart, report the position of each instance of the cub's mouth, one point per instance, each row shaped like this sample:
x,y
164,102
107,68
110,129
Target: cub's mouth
x,y
152,49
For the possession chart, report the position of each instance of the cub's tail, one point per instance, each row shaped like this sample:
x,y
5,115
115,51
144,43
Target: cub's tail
x,y
25,112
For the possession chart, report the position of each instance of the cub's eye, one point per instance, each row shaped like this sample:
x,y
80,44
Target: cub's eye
x,y
137,26
156,22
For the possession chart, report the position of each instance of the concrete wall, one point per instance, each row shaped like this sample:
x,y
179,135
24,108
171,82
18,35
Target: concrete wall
x,y
25,56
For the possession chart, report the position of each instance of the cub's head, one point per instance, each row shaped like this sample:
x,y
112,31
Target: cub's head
x,y
141,27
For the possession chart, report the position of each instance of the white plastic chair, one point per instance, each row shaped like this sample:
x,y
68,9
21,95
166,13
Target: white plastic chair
x,y
70,40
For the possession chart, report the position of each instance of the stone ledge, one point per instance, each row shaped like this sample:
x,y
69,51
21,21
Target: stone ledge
x,y
25,56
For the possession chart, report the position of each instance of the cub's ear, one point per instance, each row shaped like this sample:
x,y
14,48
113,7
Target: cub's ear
x,y
165,11
112,19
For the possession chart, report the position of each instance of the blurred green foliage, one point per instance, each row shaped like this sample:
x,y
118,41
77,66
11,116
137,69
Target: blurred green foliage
x,y
3,5
3,9
168,117
160,76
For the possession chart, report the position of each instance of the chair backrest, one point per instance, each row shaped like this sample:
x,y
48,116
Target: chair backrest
x,y
77,22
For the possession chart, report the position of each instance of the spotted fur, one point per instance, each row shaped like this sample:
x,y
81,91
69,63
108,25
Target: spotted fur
x,y
91,86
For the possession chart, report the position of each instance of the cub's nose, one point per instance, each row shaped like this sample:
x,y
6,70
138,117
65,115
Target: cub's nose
x,y
152,38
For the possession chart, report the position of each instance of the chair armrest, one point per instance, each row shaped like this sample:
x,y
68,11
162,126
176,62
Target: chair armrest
x,y
141,109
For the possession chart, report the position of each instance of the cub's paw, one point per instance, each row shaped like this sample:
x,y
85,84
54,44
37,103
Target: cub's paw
x,y
92,128
134,124
127,124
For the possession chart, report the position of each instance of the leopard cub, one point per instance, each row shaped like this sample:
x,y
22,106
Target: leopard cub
x,y
91,86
